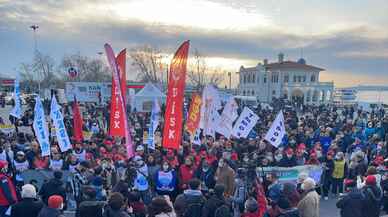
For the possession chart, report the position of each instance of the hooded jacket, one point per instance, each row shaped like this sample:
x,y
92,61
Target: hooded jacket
x,y
52,187
351,205
373,196
188,197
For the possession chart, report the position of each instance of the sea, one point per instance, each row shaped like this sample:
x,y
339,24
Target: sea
x,y
372,96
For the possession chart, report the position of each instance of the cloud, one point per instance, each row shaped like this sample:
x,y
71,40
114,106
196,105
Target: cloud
x,y
212,26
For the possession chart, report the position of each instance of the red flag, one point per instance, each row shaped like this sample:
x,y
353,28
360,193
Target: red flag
x,y
116,127
77,122
172,131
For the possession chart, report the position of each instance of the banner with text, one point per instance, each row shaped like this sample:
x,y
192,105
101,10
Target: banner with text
x,y
277,131
245,123
154,123
194,114
172,132
17,109
60,130
290,174
40,128
228,116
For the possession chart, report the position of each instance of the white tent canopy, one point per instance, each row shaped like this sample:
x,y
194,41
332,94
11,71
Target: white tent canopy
x,y
142,101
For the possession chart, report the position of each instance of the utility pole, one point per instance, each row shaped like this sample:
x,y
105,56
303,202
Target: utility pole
x,y
230,80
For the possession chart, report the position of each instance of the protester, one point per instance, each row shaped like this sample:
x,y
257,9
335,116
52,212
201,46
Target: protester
x,y
225,175
90,207
54,208
308,206
29,205
190,203
8,195
54,186
215,201
161,207
373,196
352,203
116,206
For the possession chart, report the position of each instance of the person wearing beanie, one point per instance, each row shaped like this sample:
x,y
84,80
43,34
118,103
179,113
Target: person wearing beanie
x,y
54,208
216,200
54,186
7,189
351,204
251,207
29,206
286,209
115,206
90,207
308,206
373,197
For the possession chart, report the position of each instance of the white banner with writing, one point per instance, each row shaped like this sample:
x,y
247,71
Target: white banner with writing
x,y
277,131
245,123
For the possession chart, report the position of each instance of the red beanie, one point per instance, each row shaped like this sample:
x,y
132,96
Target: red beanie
x,y
3,164
55,201
370,180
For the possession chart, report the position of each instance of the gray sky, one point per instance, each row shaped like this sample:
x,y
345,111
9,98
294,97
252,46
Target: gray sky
x,y
347,38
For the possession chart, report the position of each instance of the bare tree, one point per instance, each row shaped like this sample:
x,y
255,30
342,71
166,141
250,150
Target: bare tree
x,y
199,74
88,69
148,61
28,81
43,67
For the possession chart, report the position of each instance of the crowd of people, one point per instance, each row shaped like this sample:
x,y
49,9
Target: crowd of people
x,y
214,179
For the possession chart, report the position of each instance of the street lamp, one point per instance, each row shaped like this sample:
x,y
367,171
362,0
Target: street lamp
x,y
35,28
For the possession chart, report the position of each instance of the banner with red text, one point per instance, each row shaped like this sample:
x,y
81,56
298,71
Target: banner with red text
x,y
172,132
116,127
194,114
116,77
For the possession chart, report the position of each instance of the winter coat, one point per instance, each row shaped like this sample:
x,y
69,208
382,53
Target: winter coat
x,y
50,212
225,176
240,194
170,214
294,212
211,205
109,212
188,197
27,207
351,205
206,177
309,205
52,187
91,208
185,175
166,181
373,196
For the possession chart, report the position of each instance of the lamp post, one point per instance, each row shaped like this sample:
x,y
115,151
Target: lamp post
x,y
34,29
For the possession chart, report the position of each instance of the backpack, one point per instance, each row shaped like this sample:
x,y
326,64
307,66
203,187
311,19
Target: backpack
x,y
194,209
223,211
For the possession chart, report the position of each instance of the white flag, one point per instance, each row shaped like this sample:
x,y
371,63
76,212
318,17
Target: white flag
x,y
40,127
17,110
212,123
210,102
229,115
277,131
195,139
154,122
60,130
245,123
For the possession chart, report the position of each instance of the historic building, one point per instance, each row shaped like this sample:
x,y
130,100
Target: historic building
x,y
295,81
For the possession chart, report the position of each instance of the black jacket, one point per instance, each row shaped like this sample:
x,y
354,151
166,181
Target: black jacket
x,y
50,212
351,205
294,212
52,187
210,206
91,208
27,207
373,196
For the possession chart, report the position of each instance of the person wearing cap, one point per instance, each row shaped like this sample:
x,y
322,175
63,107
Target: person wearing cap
x,y
140,150
54,186
54,207
288,159
8,194
29,205
373,197
352,203
308,206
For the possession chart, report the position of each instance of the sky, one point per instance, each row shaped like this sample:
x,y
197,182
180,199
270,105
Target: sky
x,y
347,38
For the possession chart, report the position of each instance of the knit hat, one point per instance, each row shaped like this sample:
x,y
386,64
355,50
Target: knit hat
x,y
3,164
55,202
251,205
308,184
219,189
370,180
28,191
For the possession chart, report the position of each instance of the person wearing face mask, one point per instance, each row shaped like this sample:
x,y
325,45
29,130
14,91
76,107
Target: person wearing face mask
x,y
186,173
7,189
205,173
142,180
166,180
339,173
225,175
289,159
77,181
308,206
80,152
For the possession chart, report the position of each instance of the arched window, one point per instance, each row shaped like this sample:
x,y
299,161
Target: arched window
x,y
253,78
245,78
308,96
258,79
243,92
328,95
315,95
312,78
